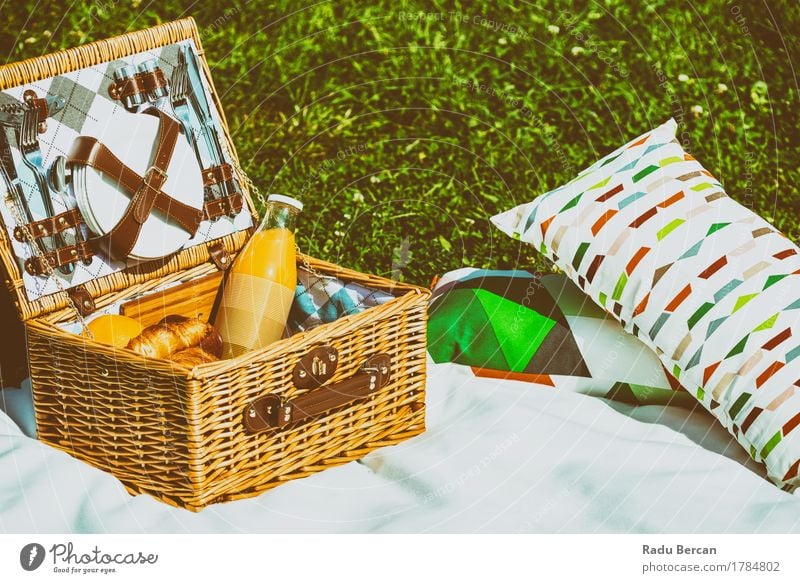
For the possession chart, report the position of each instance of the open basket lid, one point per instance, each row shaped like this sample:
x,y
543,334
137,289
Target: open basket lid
x,y
102,90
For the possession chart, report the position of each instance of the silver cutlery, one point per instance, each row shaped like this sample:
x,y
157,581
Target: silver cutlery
x,y
28,143
178,93
24,120
9,172
197,98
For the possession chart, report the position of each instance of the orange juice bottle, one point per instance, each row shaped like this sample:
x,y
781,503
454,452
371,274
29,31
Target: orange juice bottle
x,y
259,288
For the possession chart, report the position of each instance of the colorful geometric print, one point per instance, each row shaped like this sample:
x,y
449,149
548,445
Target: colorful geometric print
x,y
542,330
650,235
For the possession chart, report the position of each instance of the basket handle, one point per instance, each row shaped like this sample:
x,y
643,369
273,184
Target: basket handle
x,y
275,412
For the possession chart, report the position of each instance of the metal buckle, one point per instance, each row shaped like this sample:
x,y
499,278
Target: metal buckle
x,y
278,412
284,413
148,174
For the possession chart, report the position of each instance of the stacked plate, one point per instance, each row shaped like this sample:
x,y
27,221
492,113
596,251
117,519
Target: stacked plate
x,y
132,139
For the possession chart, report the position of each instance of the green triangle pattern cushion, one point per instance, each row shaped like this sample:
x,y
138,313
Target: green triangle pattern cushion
x,y
542,329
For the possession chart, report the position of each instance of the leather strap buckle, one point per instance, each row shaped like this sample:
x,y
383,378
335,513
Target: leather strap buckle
x,y
275,412
148,177
284,413
82,300
271,411
42,265
145,191
220,256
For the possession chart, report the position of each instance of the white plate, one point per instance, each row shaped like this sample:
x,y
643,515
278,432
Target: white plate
x,y
132,139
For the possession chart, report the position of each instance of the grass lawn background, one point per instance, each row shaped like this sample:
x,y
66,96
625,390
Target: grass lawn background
x,y
404,126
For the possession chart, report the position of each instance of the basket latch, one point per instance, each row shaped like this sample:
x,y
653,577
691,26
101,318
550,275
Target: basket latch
x,y
275,412
220,256
82,300
316,368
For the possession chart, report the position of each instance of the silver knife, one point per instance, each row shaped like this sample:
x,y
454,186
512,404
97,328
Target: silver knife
x,y
197,96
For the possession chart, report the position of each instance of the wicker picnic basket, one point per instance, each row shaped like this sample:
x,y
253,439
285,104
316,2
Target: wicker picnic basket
x,y
228,429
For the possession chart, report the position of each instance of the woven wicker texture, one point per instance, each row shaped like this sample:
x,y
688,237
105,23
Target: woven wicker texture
x,y
178,434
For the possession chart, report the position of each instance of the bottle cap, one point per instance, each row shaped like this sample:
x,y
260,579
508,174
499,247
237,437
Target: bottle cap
x,y
282,198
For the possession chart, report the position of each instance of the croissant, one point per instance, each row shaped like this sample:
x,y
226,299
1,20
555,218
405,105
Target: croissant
x,y
174,334
191,357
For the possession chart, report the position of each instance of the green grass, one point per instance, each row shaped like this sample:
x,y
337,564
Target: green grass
x,y
405,125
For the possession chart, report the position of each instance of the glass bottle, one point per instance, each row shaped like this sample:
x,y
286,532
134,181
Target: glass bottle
x,y
259,288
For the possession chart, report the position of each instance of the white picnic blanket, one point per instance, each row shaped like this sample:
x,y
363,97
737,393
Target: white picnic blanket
x,y
498,456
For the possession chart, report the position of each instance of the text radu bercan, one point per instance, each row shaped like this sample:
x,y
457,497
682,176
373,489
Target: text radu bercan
x,y
677,550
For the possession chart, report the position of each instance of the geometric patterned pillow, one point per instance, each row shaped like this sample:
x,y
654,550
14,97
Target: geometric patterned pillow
x,y
544,330
651,236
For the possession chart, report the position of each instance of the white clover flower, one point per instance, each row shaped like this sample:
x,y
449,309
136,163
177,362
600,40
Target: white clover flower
x,y
502,41
577,51
358,197
553,29
697,109
683,77
721,88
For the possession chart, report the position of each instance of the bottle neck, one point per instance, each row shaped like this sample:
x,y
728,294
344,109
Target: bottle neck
x,y
279,216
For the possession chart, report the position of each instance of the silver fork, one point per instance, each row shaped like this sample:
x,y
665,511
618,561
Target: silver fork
x,y
178,84
182,103
32,157
178,96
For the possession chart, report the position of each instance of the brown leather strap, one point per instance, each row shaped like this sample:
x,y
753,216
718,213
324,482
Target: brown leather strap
x,y
152,80
220,256
139,83
43,111
87,150
119,241
38,103
217,174
42,265
49,226
145,190
218,207
275,412
82,300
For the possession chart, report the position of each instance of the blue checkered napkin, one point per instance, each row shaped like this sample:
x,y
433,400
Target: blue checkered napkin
x,y
324,299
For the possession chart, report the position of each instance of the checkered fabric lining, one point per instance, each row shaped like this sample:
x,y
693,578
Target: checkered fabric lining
x,y
323,299
88,108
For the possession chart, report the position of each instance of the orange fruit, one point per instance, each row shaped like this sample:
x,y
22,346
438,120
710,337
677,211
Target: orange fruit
x,y
114,330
